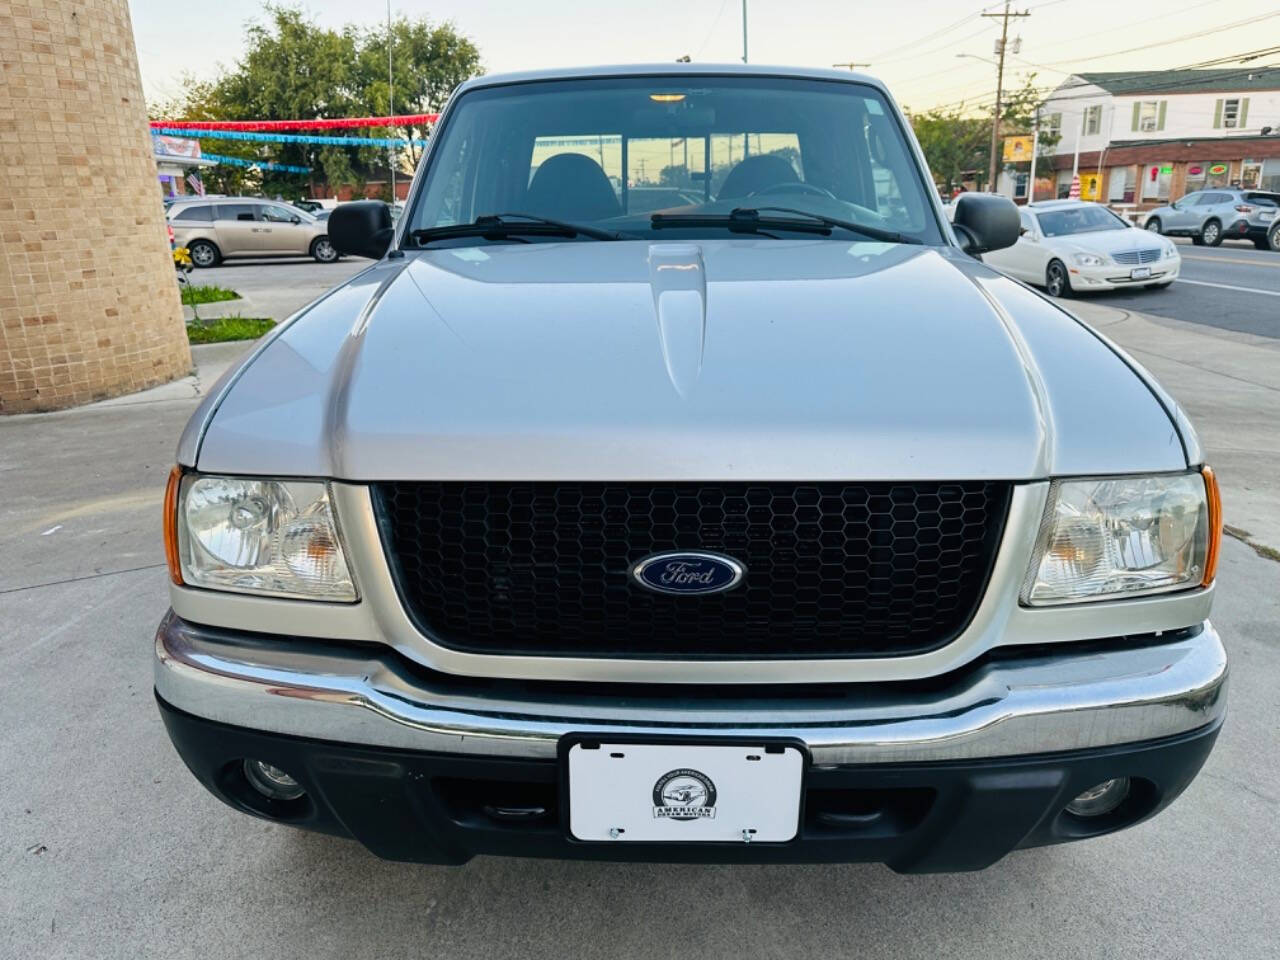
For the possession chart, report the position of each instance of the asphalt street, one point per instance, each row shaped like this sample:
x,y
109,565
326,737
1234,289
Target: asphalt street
x,y
1231,287
110,849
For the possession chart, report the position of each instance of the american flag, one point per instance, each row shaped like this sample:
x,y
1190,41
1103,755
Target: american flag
x,y
196,183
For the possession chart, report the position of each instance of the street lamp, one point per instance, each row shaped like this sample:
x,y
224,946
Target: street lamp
x,y
974,56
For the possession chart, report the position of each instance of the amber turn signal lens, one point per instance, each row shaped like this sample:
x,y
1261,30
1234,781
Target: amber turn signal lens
x,y
1215,524
171,525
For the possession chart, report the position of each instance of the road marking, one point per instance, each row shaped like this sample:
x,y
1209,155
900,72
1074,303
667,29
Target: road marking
x,y
1241,261
1229,286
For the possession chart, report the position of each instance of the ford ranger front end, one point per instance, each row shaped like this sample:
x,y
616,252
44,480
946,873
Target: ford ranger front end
x,y
768,527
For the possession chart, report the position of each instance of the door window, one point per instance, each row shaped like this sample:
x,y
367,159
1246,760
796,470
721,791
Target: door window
x,y
201,213
1155,181
274,214
1120,185
235,211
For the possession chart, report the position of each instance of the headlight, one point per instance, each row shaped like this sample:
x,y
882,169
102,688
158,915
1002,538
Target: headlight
x,y
1089,259
1170,252
274,537
1116,537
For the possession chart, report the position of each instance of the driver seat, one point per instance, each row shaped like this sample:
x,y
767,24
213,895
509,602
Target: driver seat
x,y
754,174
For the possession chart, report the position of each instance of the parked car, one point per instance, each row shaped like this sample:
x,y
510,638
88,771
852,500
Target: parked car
x,y
1073,246
780,529
217,229
311,206
1223,213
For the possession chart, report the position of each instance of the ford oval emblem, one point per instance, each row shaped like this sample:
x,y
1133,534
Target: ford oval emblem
x,y
688,573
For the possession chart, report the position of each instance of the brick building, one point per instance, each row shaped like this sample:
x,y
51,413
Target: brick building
x,y
88,303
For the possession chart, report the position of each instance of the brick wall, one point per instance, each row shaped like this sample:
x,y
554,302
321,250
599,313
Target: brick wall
x,y
88,304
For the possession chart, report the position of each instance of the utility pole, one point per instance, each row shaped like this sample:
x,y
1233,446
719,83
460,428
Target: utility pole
x,y
995,120
391,100
744,31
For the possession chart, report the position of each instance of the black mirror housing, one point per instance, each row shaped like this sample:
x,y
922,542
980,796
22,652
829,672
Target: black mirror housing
x,y
989,222
362,228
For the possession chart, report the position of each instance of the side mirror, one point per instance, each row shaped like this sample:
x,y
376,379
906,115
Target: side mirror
x,y
295,219
985,222
362,228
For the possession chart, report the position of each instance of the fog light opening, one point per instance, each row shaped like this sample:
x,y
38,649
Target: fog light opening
x,y
272,782
1100,799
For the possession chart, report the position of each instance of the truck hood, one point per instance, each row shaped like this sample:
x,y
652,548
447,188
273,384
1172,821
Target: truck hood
x,y
743,358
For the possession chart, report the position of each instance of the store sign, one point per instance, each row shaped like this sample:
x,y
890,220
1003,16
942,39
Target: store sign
x,y
1217,169
175,146
1195,171
1166,171
1017,149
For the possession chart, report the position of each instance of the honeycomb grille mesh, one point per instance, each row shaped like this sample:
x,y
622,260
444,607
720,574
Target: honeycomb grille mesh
x,y
832,569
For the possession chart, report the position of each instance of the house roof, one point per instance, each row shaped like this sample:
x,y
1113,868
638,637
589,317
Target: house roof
x,y
1186,81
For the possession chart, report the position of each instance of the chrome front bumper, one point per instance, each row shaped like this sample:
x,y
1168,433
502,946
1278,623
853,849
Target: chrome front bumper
x,y
1006,706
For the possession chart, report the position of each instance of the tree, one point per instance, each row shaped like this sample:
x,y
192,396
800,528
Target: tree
x,y
430,61
954,145
1019,116
293,69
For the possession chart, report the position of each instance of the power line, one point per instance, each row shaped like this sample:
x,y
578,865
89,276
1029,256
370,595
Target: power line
x,y
1200,34
714,23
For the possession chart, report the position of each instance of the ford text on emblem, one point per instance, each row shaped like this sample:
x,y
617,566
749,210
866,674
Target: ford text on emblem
x,y
688,573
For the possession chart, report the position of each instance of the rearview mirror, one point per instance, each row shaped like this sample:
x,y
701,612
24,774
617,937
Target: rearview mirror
x,y
362,228
985,222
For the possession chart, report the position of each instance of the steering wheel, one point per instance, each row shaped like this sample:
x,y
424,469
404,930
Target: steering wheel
x,y
795,187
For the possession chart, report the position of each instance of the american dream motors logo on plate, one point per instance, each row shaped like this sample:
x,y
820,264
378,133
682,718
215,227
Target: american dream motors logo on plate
x,y
684,794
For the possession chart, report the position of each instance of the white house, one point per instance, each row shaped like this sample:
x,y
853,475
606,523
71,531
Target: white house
x,y
1150,136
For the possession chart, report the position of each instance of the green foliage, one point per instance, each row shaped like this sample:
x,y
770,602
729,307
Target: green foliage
x,y
957,143
228,328
954,145
206,293
294,69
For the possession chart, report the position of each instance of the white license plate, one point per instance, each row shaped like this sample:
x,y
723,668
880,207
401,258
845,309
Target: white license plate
x,y
622,792
1139,273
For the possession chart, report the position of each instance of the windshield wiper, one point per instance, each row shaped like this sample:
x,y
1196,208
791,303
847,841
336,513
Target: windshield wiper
x,y
502,226
875,233
749,220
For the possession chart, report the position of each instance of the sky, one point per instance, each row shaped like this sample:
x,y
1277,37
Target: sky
x,y
913,45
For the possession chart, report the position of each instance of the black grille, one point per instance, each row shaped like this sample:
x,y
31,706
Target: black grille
x,y
832,569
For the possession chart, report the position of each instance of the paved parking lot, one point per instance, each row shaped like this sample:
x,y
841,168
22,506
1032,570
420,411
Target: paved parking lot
x,y
108,848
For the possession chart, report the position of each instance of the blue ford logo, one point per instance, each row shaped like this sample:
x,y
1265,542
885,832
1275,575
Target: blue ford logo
x,y
688,573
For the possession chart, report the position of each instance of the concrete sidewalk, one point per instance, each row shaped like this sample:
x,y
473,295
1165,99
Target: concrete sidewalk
x,y
1229,384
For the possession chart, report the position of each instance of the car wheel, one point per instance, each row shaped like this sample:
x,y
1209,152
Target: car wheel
x,y
1211,233
1154,225
1056,281
1262,243
323,250
1273,238
204,254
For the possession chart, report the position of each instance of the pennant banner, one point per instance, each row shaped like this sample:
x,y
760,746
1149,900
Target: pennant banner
x,y
287,137
260,164
343,123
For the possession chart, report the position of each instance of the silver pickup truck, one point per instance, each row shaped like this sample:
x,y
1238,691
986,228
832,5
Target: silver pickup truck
x,y
770,526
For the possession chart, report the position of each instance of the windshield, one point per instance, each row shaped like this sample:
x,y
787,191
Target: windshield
x,y
610,153
1060,223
